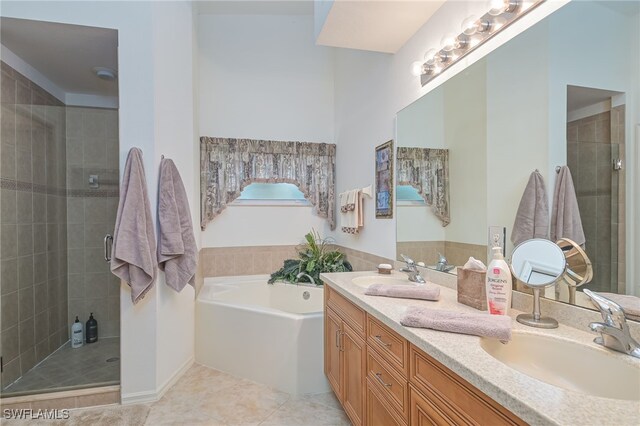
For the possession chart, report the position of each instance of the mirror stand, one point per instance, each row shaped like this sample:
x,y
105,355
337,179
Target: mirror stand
x,y
535,319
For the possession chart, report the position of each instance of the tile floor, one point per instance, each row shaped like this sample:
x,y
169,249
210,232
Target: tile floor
x,y
71,368
204,396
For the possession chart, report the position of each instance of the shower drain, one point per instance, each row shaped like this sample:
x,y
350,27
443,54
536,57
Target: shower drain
x,y
114,359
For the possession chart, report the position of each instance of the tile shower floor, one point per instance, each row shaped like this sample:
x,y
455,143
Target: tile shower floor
x,y
68,367
204,396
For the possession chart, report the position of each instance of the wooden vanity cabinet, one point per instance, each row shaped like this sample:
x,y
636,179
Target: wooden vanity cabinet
x,y
345,354
382,380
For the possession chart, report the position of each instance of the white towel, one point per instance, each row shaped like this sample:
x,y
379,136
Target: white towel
x,y
565,216
351,212
532,218
177,250
134,240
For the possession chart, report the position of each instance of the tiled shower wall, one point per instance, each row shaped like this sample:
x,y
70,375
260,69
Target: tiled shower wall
x,y
92,150
33,251
590,152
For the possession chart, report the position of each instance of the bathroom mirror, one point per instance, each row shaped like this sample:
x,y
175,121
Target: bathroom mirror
x,y
541,100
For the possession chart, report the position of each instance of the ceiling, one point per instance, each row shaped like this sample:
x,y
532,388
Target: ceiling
x,y
65,54
375,25
582,97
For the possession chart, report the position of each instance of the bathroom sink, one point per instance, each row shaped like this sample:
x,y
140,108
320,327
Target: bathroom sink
x,y
568,365
378,279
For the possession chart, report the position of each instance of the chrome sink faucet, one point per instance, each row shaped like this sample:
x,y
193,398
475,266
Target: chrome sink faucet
x,y
614,330
412,270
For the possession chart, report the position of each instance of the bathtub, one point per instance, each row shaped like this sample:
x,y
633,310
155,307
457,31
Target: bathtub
x,y
270,334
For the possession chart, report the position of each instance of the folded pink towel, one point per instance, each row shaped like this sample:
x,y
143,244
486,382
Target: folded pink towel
x,y
498,326
424,292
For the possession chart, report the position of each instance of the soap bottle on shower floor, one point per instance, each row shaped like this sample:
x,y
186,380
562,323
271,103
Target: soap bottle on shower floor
x,y
92,329
77,339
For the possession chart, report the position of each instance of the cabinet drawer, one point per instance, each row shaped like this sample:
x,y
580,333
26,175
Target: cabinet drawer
x,y
379,412
393,348
456,394
425,411
391,385
349,312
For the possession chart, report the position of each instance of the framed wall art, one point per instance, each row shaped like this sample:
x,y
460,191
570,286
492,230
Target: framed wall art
x,y
384,180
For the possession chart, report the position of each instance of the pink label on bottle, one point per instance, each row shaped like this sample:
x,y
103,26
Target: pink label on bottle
x,y
496,271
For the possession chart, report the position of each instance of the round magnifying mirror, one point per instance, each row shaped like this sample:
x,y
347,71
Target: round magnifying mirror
x,y
538,263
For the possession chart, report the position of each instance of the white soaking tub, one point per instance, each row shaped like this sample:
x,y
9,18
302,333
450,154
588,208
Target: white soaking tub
x,y
271,334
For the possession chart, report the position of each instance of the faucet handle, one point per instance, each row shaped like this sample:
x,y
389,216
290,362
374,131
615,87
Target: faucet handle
x,y
408,260
611,312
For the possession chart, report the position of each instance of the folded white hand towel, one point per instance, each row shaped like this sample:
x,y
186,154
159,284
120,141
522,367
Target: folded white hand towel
x,y
497,326
474,264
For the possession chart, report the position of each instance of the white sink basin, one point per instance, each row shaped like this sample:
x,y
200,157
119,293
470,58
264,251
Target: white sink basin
x,y
378,279
568,365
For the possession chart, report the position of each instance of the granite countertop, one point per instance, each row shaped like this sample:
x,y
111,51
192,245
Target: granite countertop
x,y
534,401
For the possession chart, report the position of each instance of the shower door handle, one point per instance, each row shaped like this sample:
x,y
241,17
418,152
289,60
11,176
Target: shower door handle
x,y
108,244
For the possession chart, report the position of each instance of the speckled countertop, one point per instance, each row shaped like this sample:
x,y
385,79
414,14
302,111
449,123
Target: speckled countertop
x,y
534,401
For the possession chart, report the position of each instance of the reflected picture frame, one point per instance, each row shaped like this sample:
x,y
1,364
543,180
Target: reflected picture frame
x,y
384,176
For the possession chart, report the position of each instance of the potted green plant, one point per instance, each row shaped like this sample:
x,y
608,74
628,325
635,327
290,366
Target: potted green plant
x,y
314,257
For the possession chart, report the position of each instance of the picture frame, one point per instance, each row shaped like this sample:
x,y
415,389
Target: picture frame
x,y
384,177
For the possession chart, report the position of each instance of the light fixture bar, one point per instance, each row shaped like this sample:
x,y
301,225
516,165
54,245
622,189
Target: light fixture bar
x,y
475,32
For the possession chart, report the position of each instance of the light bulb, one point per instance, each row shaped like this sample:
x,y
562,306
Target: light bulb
x,y
469,26
416,68
430,56
448,42
496,7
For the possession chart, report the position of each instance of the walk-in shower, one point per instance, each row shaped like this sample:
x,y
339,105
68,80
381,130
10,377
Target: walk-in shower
x,y
58,198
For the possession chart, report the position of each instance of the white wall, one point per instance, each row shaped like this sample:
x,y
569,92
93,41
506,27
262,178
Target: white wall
x,y
371,88
263,77
142,120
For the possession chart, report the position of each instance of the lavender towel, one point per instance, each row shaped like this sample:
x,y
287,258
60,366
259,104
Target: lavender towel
x,y
497,326
134,239
424,292
532,217
565,214
177,250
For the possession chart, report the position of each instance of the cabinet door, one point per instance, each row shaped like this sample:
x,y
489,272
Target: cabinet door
x,y
424,412
333,351
354,370
379,412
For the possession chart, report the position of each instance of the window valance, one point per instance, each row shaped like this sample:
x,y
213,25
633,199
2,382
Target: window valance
x,y
228,165
427,170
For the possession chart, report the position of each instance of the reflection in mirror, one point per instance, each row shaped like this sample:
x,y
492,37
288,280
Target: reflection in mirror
x,y
540,101
579,272
537,263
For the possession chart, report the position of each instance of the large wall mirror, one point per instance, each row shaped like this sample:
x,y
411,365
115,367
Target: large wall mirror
x,y
564,92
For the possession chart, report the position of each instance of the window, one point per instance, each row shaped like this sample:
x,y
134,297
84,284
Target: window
x,y
407,195
282,194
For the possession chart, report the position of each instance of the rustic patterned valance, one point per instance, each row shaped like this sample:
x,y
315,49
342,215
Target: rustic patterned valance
x,y
427,170
228,165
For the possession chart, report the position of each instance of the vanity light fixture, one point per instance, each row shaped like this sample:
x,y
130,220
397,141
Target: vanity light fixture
x,y
474,32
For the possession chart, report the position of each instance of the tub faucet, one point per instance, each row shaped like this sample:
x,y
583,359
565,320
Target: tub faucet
x,y
614,330
412,270
302,274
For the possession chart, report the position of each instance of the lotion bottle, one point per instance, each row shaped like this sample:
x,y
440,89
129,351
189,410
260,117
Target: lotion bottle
x,y
77,339
498,284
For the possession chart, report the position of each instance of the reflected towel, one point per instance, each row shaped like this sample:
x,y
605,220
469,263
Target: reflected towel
x,y
629,304
134,239
532,218
497,326
424,292
565,216
177,250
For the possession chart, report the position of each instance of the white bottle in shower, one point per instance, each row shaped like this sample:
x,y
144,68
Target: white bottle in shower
x,y
77,334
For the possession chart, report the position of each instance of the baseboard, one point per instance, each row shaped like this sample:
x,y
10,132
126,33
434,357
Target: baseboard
x,y
176,376
151,396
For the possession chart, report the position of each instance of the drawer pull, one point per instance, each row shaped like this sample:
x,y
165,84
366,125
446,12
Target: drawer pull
x,y
379,377
379,339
